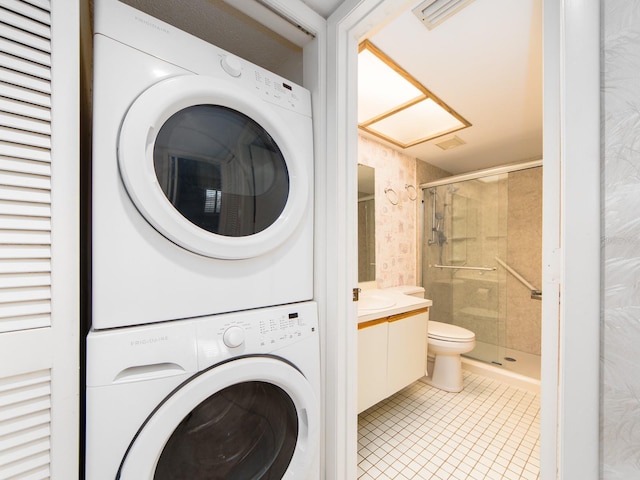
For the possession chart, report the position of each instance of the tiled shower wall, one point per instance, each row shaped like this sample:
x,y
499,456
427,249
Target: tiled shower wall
x,y
523,317
620,98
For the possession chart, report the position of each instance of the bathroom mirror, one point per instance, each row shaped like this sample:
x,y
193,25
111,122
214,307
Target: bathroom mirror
x,y
366,224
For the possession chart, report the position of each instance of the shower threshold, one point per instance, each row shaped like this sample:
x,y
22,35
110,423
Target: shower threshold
x,y
522,369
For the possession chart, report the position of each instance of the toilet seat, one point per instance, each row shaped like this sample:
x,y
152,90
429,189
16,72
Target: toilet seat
x,y
449,333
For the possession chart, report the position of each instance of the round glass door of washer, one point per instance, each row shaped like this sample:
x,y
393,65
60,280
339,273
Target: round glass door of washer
x,y
255,418
246,431
214,171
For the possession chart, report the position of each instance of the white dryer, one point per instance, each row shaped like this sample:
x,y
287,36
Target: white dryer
x,y
232,396
202,177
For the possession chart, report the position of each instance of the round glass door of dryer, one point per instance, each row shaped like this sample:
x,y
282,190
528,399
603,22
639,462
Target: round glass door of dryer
x,y
254,418
221,170
213,168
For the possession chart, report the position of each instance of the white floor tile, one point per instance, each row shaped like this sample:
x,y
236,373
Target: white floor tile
x,y
488,431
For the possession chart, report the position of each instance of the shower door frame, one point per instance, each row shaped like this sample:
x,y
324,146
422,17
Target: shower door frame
x,y
506,169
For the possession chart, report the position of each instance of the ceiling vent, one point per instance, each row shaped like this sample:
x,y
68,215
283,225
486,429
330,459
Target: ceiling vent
x,y
433,12
450,143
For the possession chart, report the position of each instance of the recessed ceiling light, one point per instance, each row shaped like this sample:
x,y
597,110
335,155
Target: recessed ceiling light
x,y
394,106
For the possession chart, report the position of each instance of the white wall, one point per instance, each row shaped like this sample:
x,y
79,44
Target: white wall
x,y
620,417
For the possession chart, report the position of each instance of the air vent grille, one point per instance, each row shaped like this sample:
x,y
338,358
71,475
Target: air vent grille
x,y
433,12
450,143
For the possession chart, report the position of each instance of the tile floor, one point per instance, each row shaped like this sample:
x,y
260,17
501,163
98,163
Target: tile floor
x,y
490,430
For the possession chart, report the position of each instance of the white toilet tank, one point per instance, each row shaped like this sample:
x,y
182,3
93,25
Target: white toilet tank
x,y
411,290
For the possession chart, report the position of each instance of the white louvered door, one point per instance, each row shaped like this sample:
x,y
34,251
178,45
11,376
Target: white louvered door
x,y
39,244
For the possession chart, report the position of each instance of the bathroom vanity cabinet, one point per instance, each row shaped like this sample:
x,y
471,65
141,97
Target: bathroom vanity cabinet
x,y
392,353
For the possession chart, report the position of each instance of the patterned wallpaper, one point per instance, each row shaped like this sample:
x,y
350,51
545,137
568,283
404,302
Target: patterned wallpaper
x,y
397,252
620,409
395,224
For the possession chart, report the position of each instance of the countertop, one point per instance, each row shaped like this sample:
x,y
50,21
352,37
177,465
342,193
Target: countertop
x,y
378,303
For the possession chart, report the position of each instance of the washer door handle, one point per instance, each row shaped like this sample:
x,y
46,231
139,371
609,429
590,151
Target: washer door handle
x,y
143,372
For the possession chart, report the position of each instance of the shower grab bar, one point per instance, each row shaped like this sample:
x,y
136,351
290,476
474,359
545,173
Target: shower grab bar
x,y
535,293
462,267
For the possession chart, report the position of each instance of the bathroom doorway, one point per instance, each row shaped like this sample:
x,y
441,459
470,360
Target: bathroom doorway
x,y
570,423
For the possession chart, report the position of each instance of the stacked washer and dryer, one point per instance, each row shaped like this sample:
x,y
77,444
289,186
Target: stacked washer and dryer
x,y
203,356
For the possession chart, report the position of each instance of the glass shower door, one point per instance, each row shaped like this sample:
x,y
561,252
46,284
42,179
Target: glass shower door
x,y
465,230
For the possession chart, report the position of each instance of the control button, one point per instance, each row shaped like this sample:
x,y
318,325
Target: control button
x,y
233,337
231,65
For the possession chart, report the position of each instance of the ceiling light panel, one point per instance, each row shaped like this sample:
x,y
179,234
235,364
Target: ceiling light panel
x,y
395,106
420,122
380,88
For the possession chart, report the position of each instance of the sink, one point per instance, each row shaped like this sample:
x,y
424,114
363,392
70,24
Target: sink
x,y
374,301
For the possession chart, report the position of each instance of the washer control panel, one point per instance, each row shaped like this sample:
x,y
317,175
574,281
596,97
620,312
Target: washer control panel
x,y
259,331
233,336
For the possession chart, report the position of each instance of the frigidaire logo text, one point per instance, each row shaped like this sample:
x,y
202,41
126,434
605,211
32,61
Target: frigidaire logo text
x,y
152,25
149,341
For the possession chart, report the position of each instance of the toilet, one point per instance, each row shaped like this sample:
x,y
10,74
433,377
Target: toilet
x,y
445,344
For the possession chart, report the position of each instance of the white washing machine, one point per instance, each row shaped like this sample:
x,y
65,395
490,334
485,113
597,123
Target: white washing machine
x,y
233,396
202,177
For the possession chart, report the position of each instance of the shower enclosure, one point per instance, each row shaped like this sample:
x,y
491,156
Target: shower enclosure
x,y
482,249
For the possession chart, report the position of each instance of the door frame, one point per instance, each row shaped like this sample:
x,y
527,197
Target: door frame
x,y
571,235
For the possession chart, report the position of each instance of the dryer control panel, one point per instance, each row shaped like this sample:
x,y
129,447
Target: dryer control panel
x,y
267,85
276,90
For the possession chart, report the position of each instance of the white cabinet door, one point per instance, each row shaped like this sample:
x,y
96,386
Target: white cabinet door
x,y
372,364
407,350
39,239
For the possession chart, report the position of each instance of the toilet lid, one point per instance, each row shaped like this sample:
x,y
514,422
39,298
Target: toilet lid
x,y
446,331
